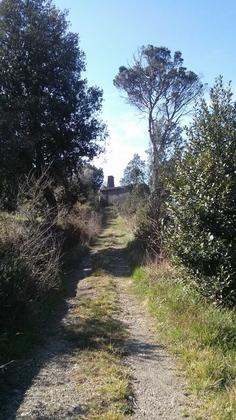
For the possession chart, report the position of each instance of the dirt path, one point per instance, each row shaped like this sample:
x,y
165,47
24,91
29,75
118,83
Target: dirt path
x,y
157,386
47,386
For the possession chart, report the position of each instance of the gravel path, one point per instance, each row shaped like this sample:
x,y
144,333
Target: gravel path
x,y
158,388
46,386
157,383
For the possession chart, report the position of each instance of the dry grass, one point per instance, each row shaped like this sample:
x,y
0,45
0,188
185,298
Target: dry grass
x,y
81,222
30,251
30,268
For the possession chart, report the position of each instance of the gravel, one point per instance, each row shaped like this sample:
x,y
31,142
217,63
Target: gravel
x,y
157,382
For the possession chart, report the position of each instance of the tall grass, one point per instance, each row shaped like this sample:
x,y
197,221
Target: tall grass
x,y
202,335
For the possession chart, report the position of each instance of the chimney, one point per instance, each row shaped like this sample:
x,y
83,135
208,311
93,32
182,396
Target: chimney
x,y
110,181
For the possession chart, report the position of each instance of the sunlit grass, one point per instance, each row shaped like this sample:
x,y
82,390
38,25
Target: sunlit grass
x,y
100,367
203,336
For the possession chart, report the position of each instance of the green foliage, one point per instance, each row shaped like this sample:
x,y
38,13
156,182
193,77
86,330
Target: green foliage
x,y
90,181
81,187
135,205
48,113
135,172
202,209
159,86
203,337
158,82
135,201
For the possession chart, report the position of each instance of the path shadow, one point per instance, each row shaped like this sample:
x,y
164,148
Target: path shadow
x,y
114,261
144,350
16,379
95,333
19,377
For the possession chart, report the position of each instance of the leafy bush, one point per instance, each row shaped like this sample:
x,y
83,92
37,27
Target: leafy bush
x,y
202,234
151,215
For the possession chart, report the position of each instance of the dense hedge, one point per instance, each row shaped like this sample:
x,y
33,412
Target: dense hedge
x,y
202,234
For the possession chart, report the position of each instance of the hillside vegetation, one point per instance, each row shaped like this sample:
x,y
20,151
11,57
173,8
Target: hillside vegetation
x,y
50,130
181,208
184,228
203,337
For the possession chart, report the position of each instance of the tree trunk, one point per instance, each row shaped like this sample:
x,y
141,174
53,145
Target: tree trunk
x,y
155,154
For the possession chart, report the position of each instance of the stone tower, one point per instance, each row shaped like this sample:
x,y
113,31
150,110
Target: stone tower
x,y
110,181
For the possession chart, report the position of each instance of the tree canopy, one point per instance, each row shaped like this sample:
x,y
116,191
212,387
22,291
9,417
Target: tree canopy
x,y
92,177
135,172
158,85
49,116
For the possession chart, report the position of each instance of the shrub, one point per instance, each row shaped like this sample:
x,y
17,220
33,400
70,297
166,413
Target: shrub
x,y
29,270
81,223
31,244
202,234
14,277
29,257
136,200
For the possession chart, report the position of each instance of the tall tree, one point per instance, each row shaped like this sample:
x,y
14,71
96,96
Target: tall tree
x,y
158,85
135,172
48,114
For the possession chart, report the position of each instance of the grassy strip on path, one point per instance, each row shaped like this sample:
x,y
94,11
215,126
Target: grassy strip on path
x,y
102,376
203,336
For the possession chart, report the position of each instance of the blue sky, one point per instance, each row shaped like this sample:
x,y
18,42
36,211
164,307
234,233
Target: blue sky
x,y
112,30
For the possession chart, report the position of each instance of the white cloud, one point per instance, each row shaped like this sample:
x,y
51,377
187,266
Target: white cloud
x,y
128,135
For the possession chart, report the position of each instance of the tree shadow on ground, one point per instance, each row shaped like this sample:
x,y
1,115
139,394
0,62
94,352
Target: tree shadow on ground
x,y
91,333
114,261
17,378
95,333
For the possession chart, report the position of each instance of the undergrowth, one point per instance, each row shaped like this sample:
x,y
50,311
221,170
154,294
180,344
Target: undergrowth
x,y
201,334
36,252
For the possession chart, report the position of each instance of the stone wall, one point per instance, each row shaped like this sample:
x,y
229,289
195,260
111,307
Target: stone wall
x,y
115,194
